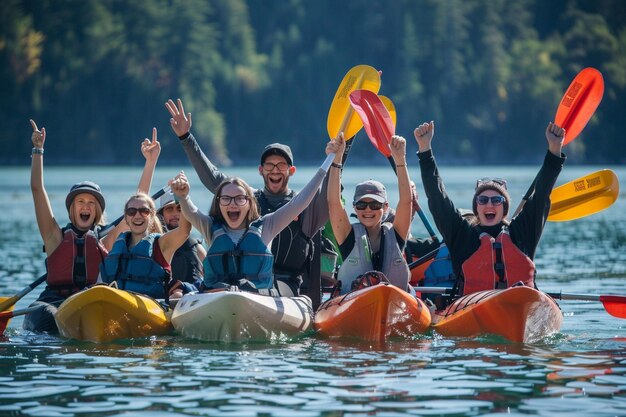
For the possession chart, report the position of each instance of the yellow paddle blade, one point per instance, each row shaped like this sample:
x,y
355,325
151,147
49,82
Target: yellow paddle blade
x,y
392,109
584,196
341,116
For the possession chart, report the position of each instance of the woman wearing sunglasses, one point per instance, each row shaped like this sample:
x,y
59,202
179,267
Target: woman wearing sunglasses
x,y
489,251
371,244
239,237
140,260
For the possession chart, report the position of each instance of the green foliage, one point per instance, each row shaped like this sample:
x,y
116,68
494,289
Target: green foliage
x,y
96,73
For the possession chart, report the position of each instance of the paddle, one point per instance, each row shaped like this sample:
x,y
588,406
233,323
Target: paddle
x,y
584,196
615,305
380,127
5,316
580,101
10,301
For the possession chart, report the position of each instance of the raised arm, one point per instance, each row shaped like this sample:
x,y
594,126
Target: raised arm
x,y
150,149
172,240
402,220
339,220
181,123
48,227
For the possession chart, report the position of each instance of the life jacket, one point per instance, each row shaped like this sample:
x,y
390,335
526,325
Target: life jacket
x,y
136,270
75,263
292,249
186,264
359,260
497,263
228,263
439,273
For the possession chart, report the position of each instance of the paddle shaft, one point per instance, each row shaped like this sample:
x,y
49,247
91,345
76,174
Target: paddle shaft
x,y
423,259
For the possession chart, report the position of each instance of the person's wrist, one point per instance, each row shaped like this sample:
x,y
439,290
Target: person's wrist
x,y
336,165
37,151
184,135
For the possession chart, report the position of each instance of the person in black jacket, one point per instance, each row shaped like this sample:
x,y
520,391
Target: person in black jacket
x,y
489,250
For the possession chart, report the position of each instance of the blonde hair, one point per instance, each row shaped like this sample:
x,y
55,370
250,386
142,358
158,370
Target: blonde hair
x,y
155,224
253,212
99,220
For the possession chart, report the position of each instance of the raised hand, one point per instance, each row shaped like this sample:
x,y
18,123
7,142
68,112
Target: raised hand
x,y
555,136
180,122
398,149
39,136
151,149
180,185
336,146
424,135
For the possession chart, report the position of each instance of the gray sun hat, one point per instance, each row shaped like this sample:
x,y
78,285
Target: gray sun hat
x,y
370,189
165,200
85,187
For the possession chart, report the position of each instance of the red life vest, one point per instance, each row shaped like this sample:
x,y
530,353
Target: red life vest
x,y
497,263
75,263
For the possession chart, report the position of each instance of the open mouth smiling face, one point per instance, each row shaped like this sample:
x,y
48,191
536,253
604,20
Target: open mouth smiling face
x,y
234,205
490,212
84,207
369,212
276,172
138,216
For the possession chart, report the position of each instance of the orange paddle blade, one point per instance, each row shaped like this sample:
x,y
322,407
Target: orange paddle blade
x,y
375,117
580,102
584,196
615,305
341,116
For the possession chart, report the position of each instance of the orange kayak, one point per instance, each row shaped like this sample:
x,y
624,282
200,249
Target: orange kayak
x,y
373,314
519,314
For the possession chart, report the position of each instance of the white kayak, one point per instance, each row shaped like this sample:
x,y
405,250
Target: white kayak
x,y
238,316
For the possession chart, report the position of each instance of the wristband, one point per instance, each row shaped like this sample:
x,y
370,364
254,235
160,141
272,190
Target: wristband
x,y
336,165
401,165
37,151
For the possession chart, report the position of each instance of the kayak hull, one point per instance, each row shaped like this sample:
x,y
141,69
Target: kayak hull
x,y
519,314
102,314
238,316
373,314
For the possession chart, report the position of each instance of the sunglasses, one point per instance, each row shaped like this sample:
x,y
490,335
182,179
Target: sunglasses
x,y
269,167
499,181
373,205
496,200
240,200
144,211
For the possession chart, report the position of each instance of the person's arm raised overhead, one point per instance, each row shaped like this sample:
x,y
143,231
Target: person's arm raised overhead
x,y
181,123
402,220
172,240
150,149
339,220
48,226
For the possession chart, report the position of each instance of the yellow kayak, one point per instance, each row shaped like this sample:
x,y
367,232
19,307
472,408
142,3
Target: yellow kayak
x,y
102,314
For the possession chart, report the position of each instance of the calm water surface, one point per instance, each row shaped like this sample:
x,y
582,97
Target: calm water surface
x,y
580,371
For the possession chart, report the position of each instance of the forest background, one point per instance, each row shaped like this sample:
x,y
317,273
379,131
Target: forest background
x,y
490,73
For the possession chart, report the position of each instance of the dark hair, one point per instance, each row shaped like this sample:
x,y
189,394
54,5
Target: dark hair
x,y
215,211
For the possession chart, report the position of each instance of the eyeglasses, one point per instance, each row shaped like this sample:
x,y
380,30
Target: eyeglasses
x,y
269,167
240,200
496,200
499,181
373,205
144,211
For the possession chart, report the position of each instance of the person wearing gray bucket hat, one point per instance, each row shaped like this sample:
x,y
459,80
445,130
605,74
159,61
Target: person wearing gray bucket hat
x,y
489,235
75,251
371,244
296,260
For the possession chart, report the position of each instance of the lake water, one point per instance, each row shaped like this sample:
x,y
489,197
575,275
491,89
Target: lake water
x,y
580,371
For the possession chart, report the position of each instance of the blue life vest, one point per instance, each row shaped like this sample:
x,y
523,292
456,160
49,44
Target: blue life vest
x,y
439,273
227,262
135,270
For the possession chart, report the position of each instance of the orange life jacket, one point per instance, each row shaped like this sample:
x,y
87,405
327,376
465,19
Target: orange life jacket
x,y
75,263
497,263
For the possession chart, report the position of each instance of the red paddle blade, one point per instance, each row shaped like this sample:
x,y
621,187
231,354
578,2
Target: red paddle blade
x,y
615,305
580,102
376,119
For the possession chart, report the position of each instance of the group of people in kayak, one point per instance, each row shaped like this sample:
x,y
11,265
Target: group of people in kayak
x,y
263,240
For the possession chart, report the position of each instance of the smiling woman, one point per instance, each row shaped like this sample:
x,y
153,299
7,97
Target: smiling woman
x,y
489,251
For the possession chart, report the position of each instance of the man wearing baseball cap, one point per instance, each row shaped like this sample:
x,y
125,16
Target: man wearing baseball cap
x,y
293,248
